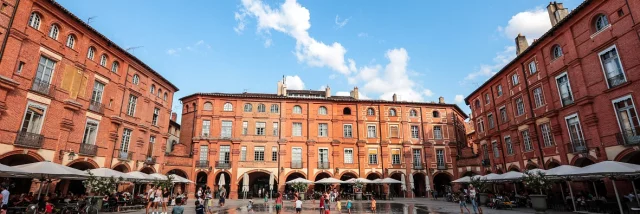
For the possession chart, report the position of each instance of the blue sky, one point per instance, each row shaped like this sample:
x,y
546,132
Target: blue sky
x,y
418,49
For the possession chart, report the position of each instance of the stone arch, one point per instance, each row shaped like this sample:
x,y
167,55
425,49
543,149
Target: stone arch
x,y
90,161
548,163
296,171
625,154
318,173
372,173
122,165
21,152
531,166
252,171
514,168
348,171
577,157
179,171
148,170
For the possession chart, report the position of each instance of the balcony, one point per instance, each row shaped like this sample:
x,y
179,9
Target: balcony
x,y
123,155
88,149
223,165
567,100
202,164
296,164
30,140
616,80
150,160
486,162
323,165
418,166
96,107
578,146
441,166
42,87
629,137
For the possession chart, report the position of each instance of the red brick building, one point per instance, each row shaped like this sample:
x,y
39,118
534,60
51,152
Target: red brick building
x,y
71,96
314,135
569,97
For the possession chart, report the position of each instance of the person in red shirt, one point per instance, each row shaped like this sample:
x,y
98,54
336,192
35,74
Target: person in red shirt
x,y
48,209
322,204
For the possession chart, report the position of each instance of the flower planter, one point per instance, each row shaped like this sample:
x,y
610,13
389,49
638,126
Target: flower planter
x,y
358,196
539,203
484,198
301,194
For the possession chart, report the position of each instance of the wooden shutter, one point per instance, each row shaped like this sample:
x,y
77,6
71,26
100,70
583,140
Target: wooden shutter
x,y
67,78
83,86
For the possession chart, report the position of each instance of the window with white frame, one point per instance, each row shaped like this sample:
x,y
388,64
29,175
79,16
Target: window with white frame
x,y
204,152
627,119
322,110
371,131
262,108
556,52
526,140
323,130
44,73
395,156
564,88
297,109
392,112
245,127
509,144
275,129
393,130
538,97
496,150
413,113
296,156
347,130
207,106
601,22
91,52
225,154
206,126
54,31
258,153
612,67
491,121
499,90
114,67
156,114
260,128
373,156
275,108
248,107
90,132
153,89
296,129
547,137
34,20
226,129
274,154
348,155
532,67
480,123
136,79
417,157
440,157
243,153
437,132
126,138
131,108
323,157
503,114
485,151
71,41
227,107
415,132
371,112
519,106
487,99
514,79
96,94
103,60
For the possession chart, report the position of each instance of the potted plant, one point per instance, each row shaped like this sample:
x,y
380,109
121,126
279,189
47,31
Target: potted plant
x,y
537,181
100,187
481,186
300,187
357,189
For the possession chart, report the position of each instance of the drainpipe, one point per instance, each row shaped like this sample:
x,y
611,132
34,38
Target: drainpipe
x,y
380,142
535,127
357,139
6,34
493,100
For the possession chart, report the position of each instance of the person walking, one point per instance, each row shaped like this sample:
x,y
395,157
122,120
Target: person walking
x,y
474,201
5,198
279,203
178,209
373,204
463,202
298,205
349,206
151,194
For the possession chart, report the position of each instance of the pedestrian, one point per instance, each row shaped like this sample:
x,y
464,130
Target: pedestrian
x,y
266,199
279,203
349,205
373,204
338,204
209,202
5,198
435,194
165,200
178,209
474,201
157,201
322,204
463,202
298,205
151,194
259,192
223,197
199,208
250,206
327,206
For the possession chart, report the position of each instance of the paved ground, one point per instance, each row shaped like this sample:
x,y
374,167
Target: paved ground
x,y
400,206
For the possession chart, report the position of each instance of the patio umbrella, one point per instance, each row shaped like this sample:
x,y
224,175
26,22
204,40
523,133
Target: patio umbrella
x,y
8,171
245,184
141,176
389,181
404,183
427,182
221,182
47,170
465,179
361,180
411,183
159,176
563,170
271,181
107,173
511,176
299,180
329,181
179,179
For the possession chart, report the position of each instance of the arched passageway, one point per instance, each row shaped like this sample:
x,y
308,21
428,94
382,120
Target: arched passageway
x,y
347,188
419,185
395,190
373,188
258,184
121,168
226,177
288,189
75,186
201,179
321,187
178,187
442,183
19,185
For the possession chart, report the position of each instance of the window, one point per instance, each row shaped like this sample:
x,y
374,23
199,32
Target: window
x,y
347,131
371,131
103,60
519,106
206,126
499,89
612,67
245,127
485,151
114,67
437,132
275,129
33,118
207,106
71,41
346,111
226,129
601,22
274,154
440,157
45,70
480,127
507,142
413,113
204,152
477,104
487,99
296,156
392,112
136,79
275,108
159,92
496,150
20,67
54,31
547,138
262,108
514,79
91,52
260,128
96,95
248,107
627,119
526,140
258,153
227,107
126,138
395,156
322,110
532,67
415,132
538,97
564,88
165,96
490,120
348,155
417,157
373,156
371,112
436,113
503,114
297,129
152,141
131,108
153,89
323,158
556,52
243,153
297,109
156,113
225,154
34,20
90,132
323,130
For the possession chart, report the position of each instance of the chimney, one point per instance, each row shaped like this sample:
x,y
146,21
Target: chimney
x,y
557,12
327,92
441,100
354,93
395,97
280,88
174,116
521,44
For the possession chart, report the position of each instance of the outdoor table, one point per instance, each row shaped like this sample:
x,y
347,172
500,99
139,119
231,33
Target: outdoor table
x,y
16,210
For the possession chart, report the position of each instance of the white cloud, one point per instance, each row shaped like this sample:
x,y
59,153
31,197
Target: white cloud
x,y
363,35
530,23
196,46
172,51
294,82
487,70
427,92
268,42
340,24
459,98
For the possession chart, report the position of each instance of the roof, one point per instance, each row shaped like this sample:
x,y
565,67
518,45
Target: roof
x,y
174,123
310,92
332,98
135,59
532,46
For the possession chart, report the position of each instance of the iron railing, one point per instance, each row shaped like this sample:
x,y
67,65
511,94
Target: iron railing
x,y
441,166
223,165
418,166
323,165
88,149
616,80
567,100
123,155
150,160
629,137
486,162
96,107
578,146
30,140
202,164
296,164
42,87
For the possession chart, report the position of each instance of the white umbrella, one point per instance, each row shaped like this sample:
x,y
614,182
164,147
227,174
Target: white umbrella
x,y
428,184
8,171
404,183
159,176
245,182
179,179
511,176
48,169
141,176
376,181
221,182
329,181
361,180
536,171
389,181
563,170
107,173
465,179
271,181
299,180
411,182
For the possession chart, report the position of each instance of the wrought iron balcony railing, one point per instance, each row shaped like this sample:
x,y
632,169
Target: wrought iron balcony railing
x,y
201,164
42,87
629,137
223,165
124,155
418,166
88,149
30,140
323,165
150,160
296,164
616,80
96,107
578,146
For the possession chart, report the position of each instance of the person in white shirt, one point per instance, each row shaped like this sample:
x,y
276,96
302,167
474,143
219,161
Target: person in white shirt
x,y
298,205
472,197
150,197
5,198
